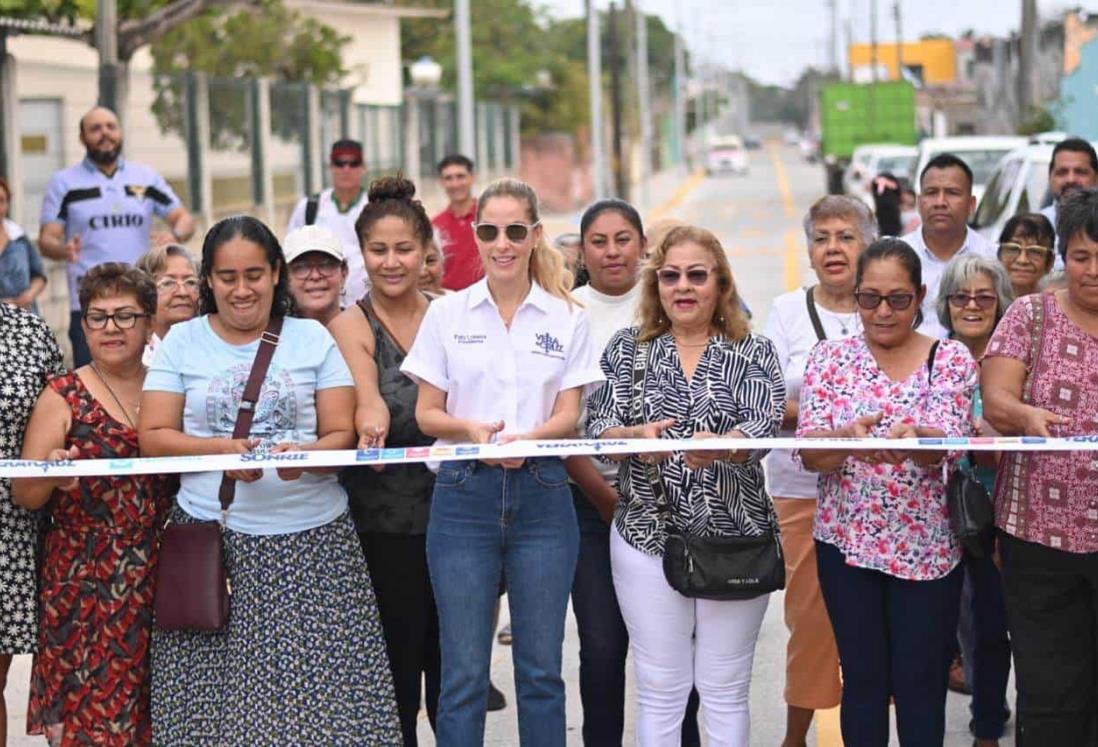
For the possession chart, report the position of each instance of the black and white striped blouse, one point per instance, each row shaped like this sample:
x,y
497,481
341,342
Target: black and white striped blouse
x,y
736,386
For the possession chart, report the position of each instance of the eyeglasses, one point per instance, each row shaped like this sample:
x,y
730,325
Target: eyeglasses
x,y
342,164
325,268
167,285
984,301
489,232
869,300
670,277
122,319
1011,251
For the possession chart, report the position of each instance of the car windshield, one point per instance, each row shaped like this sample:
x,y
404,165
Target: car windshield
x,y
982,162
895,165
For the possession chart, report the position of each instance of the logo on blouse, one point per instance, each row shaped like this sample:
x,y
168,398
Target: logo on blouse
x,y
549,346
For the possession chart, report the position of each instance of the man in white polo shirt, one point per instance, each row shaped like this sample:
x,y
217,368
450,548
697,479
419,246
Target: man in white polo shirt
x,y
337,208
101,210
945,202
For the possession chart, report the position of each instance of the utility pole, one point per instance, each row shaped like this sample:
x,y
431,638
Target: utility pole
x,y
467,137
833,52
679,99
644,102
620,189
897,14
106,41
594,82
873,50
1027,69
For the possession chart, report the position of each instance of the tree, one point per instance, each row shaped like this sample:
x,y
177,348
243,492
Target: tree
x,y
271,41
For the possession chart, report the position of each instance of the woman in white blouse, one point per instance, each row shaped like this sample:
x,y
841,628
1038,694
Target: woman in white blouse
x,y
505,359
837,229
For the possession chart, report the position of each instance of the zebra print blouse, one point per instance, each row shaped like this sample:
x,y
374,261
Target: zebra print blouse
x,y
736,386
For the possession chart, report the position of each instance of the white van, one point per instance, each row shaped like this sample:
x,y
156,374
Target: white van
x,y
1018,185
868,161
981,153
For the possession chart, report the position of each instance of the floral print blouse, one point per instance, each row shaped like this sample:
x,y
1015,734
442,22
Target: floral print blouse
x,y
885,517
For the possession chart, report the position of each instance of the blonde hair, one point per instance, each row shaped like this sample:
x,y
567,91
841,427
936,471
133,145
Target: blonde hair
x,y
155,261
547,267
728,316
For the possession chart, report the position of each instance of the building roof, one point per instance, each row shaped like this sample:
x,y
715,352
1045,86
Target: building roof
x,y
36,26
317,8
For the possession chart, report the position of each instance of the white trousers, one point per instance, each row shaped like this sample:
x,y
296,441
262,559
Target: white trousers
x,y
679,643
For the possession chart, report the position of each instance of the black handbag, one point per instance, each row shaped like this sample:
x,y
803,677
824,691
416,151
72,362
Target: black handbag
x,y
720,568
971,511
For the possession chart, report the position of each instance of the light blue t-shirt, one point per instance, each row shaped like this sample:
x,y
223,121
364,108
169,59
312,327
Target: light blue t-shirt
x,y
195,362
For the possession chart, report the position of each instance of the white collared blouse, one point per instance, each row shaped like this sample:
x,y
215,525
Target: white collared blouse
x,y
490,372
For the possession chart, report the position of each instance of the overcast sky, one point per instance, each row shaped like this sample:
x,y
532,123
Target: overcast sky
x,y
773,40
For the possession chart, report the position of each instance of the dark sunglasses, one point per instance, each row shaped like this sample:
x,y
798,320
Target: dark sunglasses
x,y
869,300
342,164
670,277
984,301
489,232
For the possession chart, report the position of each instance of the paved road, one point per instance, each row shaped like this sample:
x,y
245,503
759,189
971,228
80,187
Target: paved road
x,y
758,219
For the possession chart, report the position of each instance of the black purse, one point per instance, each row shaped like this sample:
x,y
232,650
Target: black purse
x,y
720,568
971,511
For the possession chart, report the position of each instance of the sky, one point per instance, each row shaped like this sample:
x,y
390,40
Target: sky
x,y
773,40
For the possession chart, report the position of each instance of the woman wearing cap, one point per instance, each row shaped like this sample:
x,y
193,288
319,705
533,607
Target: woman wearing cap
x,y
503,360
318,272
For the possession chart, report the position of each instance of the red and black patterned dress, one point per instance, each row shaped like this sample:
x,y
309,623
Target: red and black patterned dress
x,y
91,675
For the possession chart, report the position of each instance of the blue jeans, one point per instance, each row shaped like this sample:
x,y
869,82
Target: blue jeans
x,y
486,521
985,646
603,639
896,638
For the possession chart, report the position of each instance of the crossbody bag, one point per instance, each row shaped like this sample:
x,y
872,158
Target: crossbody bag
x,y
702,567
192,586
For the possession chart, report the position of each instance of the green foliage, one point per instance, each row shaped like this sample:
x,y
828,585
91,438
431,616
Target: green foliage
x,y
54,11
272,41
1037,119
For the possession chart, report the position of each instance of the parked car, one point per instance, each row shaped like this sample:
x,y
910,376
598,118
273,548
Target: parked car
x,y
869,161
981,153
752,142
1019,184
726,153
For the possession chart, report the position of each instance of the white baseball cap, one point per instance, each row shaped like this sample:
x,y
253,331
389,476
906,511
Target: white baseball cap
x,y
311,239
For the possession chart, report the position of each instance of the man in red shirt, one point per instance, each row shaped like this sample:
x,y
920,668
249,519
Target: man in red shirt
x,y
461,266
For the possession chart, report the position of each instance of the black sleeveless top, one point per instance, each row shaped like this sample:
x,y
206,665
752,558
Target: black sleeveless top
x,y
396,500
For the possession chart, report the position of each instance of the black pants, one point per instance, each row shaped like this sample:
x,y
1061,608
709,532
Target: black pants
x,y
1052,611
398,569
81,356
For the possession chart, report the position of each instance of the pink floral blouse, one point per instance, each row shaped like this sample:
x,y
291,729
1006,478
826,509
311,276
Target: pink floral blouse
x,y
885,517
1051,497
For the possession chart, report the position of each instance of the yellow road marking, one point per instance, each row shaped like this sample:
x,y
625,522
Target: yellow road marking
x,y
783,181
827,728
792,260
678,197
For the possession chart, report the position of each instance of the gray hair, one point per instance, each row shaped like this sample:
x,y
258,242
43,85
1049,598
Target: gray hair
x,y
1077,214
961,270
846,208
155,261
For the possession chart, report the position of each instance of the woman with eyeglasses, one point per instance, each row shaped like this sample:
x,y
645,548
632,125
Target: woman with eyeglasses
x,y
175,272
889,564
90,680
318,272
706,375
1027,251
973,296
504,360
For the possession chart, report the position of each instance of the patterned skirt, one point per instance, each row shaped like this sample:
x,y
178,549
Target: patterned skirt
x,y
302,660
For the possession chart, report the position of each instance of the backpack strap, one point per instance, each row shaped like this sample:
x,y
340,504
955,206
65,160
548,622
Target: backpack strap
x,y
311,207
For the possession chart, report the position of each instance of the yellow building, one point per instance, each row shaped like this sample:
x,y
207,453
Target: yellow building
x,y
933,61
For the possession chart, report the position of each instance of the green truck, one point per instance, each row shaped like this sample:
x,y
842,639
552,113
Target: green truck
x,y
853,114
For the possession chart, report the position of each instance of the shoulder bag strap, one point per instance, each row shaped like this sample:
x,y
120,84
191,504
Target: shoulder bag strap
x,y
268,341
311,208
641,356
930,364
1036,340
814,315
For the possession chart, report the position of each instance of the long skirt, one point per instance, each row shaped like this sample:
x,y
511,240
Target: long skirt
x,y
302,660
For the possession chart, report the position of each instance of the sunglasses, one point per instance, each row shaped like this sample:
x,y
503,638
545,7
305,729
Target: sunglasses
x,y
489,232
1011,251
869,300
984,301
342,164
669,277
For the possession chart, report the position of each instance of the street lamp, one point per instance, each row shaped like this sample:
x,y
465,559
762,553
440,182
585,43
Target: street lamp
x,y
425,74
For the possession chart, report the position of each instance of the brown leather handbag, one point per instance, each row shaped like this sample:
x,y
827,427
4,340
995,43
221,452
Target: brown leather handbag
x,y
192,587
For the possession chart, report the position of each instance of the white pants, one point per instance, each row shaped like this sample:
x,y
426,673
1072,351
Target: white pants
x,y
679,643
